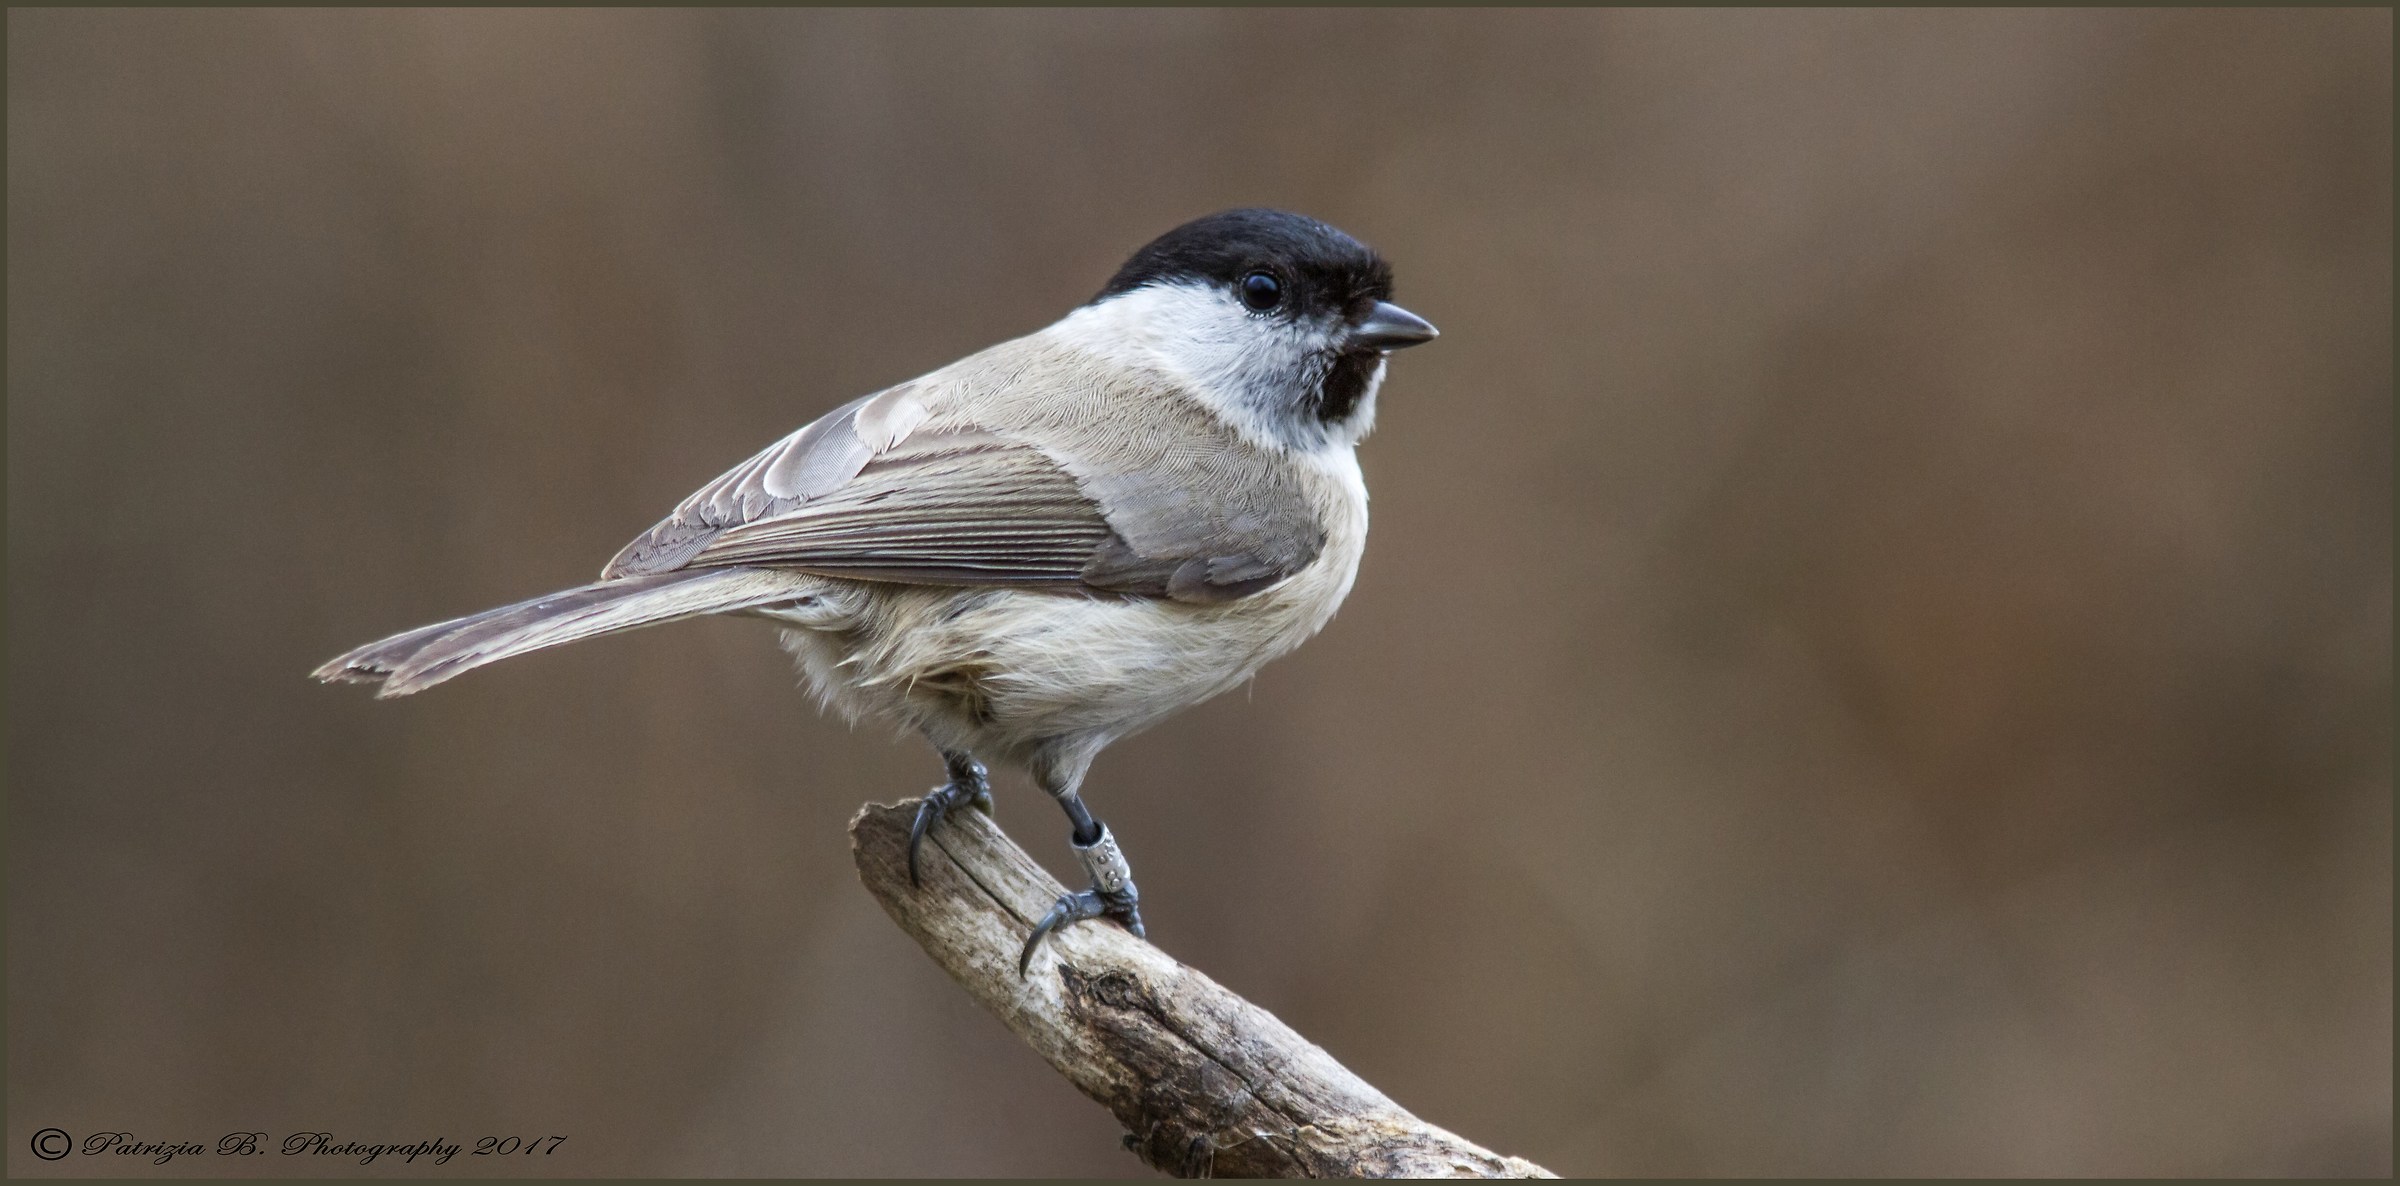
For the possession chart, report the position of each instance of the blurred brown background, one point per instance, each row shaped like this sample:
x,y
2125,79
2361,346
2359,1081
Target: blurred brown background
x,y
1875,655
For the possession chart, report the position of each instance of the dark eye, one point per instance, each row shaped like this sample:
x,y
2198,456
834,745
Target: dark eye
x,y
1261,291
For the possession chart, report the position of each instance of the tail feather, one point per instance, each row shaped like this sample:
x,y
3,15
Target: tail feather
x,y
428,655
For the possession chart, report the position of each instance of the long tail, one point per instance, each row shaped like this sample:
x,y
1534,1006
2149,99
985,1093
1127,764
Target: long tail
x,y
428,655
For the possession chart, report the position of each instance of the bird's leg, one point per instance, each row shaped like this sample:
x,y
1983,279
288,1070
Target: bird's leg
x,y
969,784
1112,893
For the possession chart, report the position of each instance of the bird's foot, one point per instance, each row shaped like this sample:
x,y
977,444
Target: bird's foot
x,y
969,786
1112,896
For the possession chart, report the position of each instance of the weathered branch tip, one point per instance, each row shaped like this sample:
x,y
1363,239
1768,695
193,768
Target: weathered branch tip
x,y
1205,1083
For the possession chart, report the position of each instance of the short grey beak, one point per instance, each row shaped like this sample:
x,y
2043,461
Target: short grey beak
x,y
1390,327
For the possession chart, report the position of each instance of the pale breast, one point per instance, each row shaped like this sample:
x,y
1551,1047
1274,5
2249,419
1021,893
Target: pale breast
x,y
1001,671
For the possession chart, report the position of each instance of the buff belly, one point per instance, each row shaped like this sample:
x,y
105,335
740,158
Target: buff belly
x,y
1046,679
1040,678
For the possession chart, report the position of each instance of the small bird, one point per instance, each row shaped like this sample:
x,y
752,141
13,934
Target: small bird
x,y
1042,547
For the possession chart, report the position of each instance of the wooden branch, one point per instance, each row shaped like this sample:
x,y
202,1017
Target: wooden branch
x,y
1204,1082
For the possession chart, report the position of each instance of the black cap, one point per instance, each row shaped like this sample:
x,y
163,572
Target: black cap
x,y
1319,268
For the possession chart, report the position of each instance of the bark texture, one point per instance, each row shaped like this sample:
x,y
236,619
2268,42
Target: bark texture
x,y
1205,1083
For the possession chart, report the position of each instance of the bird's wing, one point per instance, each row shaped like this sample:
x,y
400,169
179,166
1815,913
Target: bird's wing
x,y
965,478
809,464
941,508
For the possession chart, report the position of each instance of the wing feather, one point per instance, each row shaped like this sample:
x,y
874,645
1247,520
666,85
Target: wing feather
x,y
810,463
939,481
929,510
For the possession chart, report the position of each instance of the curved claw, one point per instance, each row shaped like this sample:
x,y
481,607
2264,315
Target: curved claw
x,y
928,810
969,784
938,802
1091,903
1062,912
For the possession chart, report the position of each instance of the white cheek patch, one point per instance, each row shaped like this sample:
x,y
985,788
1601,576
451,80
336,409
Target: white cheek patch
x,y
1192,331
1256,372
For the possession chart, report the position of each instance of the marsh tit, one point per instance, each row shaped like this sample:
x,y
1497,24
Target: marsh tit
x,y
1042,547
